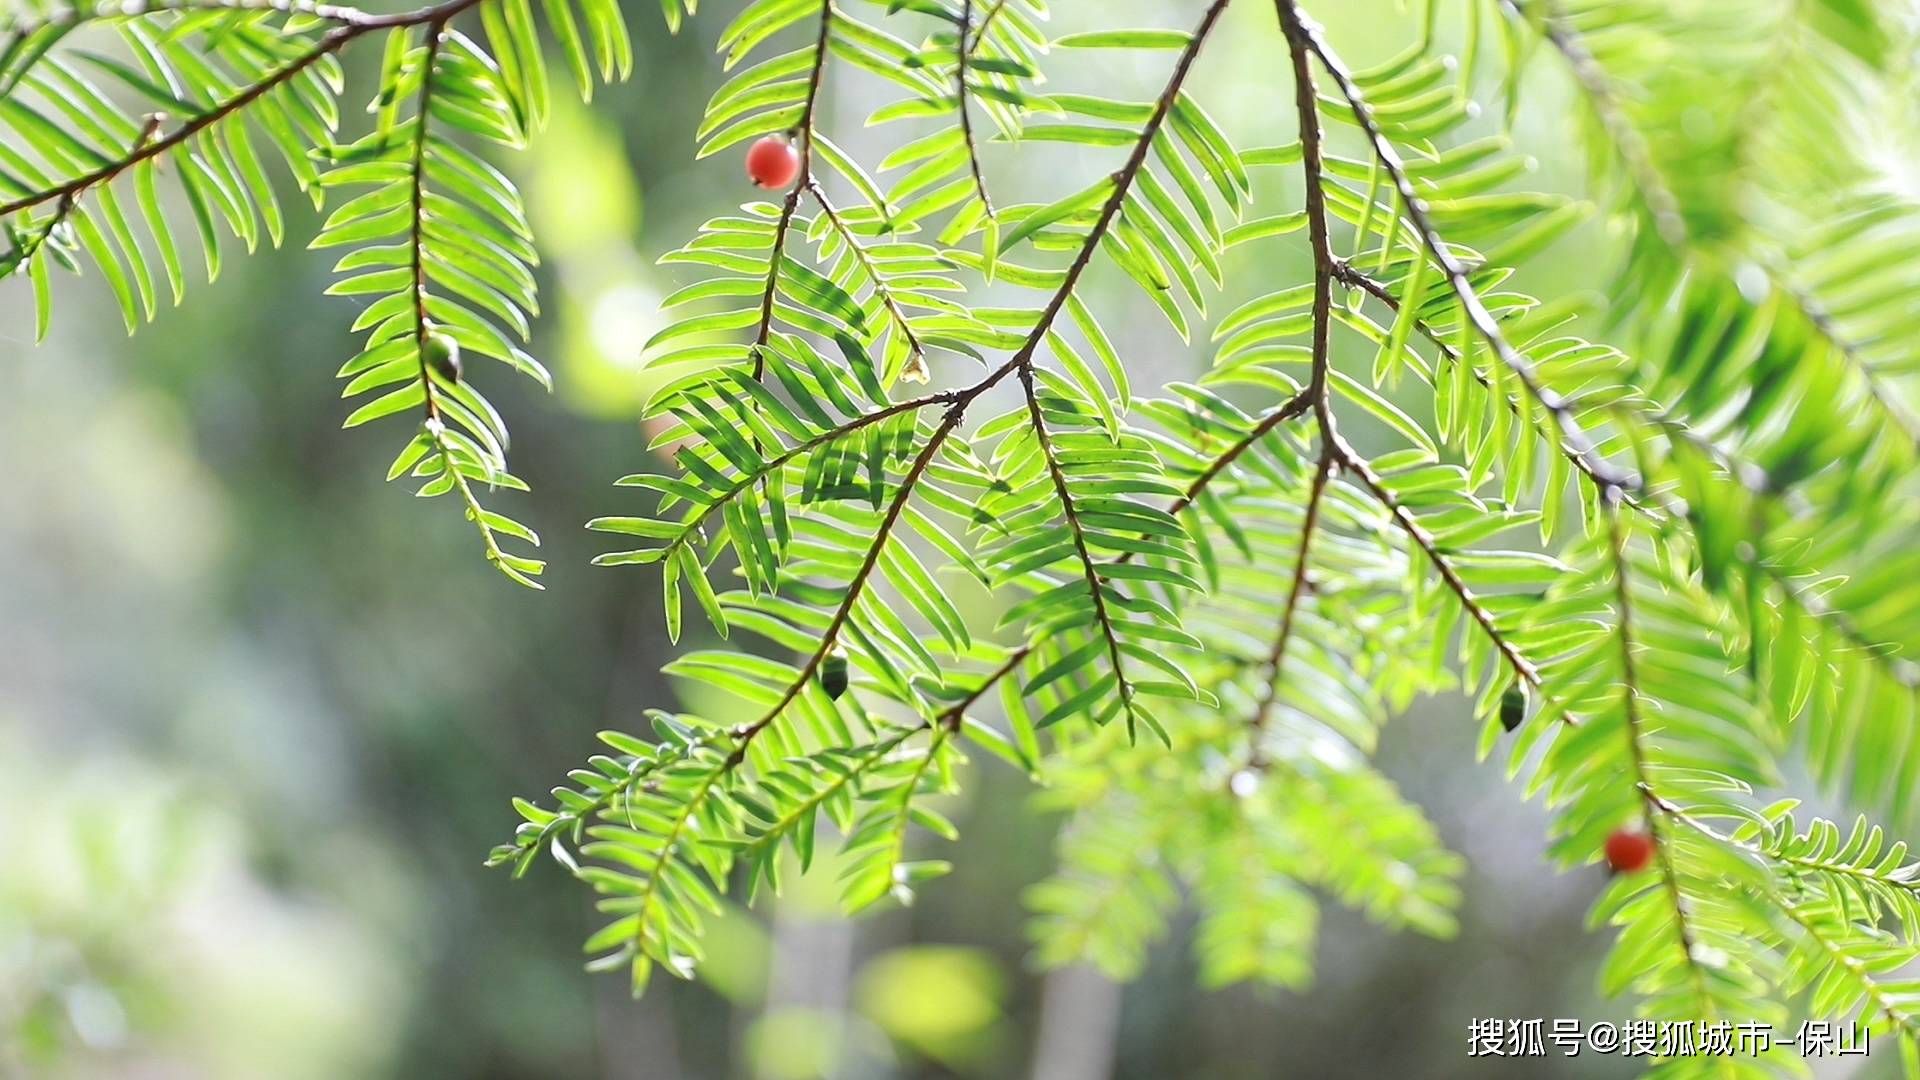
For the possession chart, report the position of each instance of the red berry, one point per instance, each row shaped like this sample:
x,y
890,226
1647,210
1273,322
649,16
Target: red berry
x,y
773,163
1628,851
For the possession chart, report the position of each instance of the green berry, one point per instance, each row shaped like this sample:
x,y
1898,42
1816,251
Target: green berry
x,y
1513,706
833,674
443,355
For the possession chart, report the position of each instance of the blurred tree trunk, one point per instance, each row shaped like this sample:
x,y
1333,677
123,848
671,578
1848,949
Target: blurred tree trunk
x,y
1079,1016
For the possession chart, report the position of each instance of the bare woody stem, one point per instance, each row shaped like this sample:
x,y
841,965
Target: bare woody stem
x,y
1295,406
1270,692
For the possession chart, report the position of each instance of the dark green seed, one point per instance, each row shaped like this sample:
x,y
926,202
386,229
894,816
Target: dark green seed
x,y
833,676
1513,706
443,356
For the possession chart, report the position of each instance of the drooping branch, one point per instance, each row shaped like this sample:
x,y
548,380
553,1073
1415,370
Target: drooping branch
x,y
1803,862
1122,183
1627,139
1089,568
1292,409
1898,668
1634,489
331,42
416,229
1523,669
432,425
1304,42
1664,208
856,586
1634,725
792,202
1884,398
956,409
915,351
1897,1006
1320,240
960,55
1637,495
1471,305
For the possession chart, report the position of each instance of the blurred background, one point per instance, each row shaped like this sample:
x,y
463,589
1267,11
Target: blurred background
x,y
260,714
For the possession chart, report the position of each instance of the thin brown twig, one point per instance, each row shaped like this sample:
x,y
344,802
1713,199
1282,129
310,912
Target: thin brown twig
x,y
1020,361
67,204
691,527
1270,693
1416,209
331,42
1632,721
1523,668
960,54
1095,583
1123,182
1352,275
1825,866
1304,40
1294,407
865,258
792,202
993,12
1320,240
1637,495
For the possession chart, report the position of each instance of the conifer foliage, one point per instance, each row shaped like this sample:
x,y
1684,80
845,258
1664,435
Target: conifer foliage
x,y
1665,549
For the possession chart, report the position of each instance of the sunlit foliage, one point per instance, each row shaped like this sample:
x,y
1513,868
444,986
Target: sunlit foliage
x,y
1666,552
